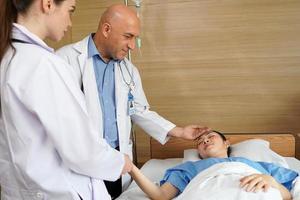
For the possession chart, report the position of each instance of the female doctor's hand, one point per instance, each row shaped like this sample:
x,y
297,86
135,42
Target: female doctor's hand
x,y
128,165
189,132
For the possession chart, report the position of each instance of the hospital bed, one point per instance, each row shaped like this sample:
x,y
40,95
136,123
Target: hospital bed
x,y
275,148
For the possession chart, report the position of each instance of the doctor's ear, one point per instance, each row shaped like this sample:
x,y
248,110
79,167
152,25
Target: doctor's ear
x,y
47,6
106,29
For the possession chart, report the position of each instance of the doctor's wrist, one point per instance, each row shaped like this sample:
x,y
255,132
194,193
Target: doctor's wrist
x,y
176,132
128,165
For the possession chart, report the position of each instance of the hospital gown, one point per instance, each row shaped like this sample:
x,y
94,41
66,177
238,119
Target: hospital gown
x,y
180,175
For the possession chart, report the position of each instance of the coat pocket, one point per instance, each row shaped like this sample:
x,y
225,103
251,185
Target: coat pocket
x,y
10,193
36,195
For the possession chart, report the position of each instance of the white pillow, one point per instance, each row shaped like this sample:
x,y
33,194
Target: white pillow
x,y
257,150
253,149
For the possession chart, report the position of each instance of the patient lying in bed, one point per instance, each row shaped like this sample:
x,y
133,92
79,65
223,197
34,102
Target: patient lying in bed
x,y
218,176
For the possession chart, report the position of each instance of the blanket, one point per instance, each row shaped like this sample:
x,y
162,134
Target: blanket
x,y
221,182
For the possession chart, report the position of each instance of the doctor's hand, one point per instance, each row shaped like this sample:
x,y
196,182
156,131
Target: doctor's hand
x,y
190,132
128,165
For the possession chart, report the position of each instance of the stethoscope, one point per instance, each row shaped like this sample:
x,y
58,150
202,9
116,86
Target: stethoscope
x,y
133,106
130,84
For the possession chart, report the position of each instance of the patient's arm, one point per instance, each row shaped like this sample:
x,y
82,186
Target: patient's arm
x,y
256,182
165,192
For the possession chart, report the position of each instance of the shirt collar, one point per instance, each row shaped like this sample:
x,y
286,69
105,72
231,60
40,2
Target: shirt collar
x,y
93,51
22,33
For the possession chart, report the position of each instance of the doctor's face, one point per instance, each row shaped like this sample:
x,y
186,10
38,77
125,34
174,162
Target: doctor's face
x,y
60,19
122,38
212,145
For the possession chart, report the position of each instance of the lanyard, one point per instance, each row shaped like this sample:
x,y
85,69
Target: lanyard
x,y
131,103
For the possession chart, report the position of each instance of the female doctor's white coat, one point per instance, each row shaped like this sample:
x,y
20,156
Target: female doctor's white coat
x,y
156,126
48,146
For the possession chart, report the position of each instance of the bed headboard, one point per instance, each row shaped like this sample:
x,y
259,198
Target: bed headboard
x,y
281,143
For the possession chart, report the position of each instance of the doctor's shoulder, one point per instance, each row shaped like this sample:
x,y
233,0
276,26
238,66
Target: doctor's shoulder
x,y
66,51
28,57
38,61
30,63
70,55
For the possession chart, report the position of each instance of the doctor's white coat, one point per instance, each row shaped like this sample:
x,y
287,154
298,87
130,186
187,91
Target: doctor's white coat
x,y
49,148
77,56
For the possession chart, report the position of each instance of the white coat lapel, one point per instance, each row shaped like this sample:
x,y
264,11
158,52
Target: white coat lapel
x,y
91,95
81,47
121,89
90,86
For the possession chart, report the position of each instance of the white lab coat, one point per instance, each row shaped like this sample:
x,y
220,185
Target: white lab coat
x,y
49,148
77,56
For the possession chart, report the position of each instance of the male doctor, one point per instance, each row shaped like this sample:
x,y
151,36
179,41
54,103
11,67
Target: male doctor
x,y
113,88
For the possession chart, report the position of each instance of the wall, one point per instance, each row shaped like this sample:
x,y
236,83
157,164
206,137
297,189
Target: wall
x,y
233,65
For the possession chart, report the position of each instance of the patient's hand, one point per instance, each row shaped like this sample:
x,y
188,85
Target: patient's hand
x,y
257,182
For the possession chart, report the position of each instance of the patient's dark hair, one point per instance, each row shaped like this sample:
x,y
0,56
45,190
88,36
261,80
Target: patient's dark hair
x,y
224,139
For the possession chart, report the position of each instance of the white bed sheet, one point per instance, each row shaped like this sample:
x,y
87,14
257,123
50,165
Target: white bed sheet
x,y
154,169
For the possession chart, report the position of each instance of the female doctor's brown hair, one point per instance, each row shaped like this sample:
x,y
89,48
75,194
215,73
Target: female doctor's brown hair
x,y
9,10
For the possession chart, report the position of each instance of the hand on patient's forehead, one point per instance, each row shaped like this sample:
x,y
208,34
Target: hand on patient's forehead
x,y
204,133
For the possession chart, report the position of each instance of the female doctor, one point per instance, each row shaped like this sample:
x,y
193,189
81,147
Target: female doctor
x,y
49,149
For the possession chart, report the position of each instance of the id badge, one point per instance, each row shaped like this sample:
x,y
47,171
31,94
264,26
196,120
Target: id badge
x,y
131,107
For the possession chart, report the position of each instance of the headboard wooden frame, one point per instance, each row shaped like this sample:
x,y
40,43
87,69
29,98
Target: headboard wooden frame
x,y
281,143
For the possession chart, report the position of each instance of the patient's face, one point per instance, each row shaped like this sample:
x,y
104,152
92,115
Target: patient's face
x,y
212,145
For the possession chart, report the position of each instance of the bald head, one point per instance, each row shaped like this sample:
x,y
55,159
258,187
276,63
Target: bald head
x,y
119,13
118,28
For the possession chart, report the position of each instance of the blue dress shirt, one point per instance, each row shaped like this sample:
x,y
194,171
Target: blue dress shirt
x,y
105,78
